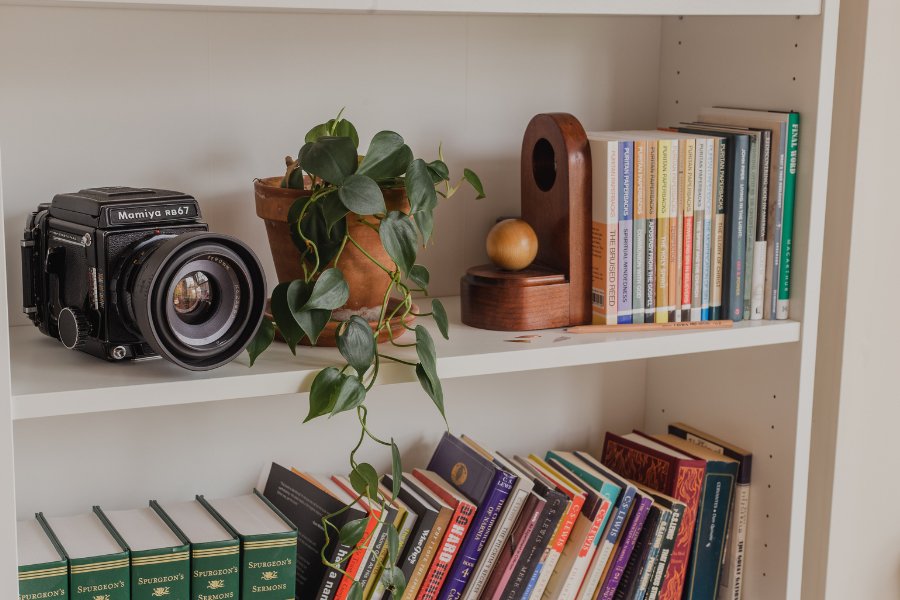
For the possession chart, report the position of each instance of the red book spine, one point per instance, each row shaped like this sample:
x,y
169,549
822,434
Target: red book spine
x,y
356,558
679,478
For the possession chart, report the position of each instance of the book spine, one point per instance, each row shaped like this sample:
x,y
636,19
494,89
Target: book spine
x,y
640,556
650,566
652,233
697,240
709,184
474,543
518,540
573,574
753,171
358,556
456,532
718,248
782,308
709,535
687,261
732,582
47,580
215,569
676,213
608,590
758,277
423,561
598,565
775,216
736,230
560,539
156,574
268,566
375,556
332,578
639,284
540,540
665,552
604,242
104,577
625,200
498,538
663,191
403,532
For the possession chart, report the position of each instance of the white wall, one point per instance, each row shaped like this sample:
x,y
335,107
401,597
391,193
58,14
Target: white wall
x,y
857,395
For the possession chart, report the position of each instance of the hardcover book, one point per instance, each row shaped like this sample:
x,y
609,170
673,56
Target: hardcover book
x,y
215,551
435,538
268,544
731,581
487,486
160,557
713,515
506,521
43,568
669,472
463,514
604,230
98,562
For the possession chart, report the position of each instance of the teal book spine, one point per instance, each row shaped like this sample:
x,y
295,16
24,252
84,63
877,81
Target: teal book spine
x,y
606,489
713,514
782,305
44,581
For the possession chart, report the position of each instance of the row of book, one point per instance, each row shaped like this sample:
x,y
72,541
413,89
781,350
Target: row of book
x,y
695,222
656,517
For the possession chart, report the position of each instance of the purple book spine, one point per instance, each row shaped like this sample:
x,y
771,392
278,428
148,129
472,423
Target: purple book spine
x,y
634,530
479,531
626,231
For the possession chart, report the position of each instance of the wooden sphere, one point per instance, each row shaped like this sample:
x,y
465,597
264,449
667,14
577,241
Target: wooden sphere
x,y
512,244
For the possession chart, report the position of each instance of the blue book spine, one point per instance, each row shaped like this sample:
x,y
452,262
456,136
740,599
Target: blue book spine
x,y
625,549
626,230
479,531
533,581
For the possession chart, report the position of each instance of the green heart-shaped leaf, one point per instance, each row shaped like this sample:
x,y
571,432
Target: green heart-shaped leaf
x,y
284,318
438,171
323,393
261,340
333,210
356,591
356,344
396,470
420,187
393,544
362,195
440,317
425,222
475,182
395,581
337,128
329,292
315,226
398,236
419,275
352,531
313,321
388,156
331,158
364,479
426,370
349,394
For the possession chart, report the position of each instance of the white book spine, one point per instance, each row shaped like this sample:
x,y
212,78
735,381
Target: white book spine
x,y
707,223
495,543
595,572
732,581
604,296
575,573
758,283
699,207
546,572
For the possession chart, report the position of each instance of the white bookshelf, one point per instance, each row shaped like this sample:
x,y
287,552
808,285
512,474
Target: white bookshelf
x,y
192,95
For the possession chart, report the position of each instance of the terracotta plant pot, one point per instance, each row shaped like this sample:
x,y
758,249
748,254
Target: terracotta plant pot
x,y
367,282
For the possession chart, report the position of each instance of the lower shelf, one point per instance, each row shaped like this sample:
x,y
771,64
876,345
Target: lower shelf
x,y
48,380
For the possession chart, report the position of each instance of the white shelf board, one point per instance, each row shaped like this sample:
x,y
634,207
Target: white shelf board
x,y
48,380
510,7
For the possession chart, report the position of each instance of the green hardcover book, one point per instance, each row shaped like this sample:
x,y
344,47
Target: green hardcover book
x,y
215,551
160,558
43,568
98,562
268,545
713,515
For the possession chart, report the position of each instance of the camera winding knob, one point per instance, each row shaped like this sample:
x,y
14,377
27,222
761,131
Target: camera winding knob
x,y
73,327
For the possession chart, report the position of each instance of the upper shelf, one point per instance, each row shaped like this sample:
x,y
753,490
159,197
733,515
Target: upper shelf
x,y
522,7
48,380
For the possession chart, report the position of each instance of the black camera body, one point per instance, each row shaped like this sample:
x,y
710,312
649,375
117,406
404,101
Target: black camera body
x,y
132,273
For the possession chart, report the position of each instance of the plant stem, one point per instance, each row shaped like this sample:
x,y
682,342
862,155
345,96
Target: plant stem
x,y
369,256
395,359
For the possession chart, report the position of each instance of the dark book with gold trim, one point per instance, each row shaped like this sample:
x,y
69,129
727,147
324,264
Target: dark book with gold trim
x,y
160,558
98,562
268,545
43,568
215,551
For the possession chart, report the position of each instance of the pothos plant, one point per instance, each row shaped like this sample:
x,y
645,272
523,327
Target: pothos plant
x,y
337,183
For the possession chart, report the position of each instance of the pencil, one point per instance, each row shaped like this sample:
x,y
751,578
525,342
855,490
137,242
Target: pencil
x,y
723,324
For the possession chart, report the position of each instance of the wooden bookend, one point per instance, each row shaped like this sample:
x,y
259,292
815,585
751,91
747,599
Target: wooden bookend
x,y
555,291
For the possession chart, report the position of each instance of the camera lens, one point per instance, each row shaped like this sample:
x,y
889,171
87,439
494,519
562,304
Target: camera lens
x,y
193,297
198,298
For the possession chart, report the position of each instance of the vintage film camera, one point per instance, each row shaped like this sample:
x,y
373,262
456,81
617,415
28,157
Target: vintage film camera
x,y
129,273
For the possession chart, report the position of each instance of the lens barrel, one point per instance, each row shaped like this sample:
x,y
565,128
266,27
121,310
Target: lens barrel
x,y
234,299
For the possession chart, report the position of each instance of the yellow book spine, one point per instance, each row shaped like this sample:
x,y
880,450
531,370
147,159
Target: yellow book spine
x,y
663,180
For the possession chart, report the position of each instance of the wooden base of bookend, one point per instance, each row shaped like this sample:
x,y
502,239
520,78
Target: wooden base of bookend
x,y
556,202
534,298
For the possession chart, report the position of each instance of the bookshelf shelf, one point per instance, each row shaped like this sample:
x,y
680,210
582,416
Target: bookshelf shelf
x,y
82,384
474,7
